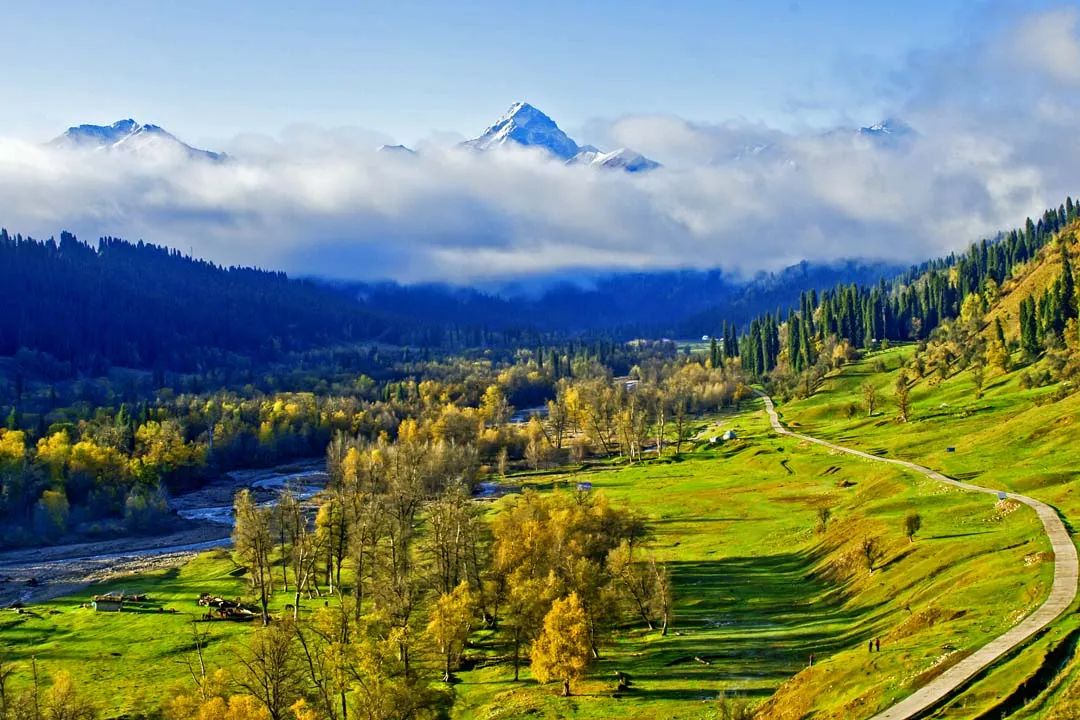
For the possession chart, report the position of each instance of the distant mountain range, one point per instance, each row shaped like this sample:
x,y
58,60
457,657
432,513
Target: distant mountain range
x,y
673,303
891,129
522,126
129,136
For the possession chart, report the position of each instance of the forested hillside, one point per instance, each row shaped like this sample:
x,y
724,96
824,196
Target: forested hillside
x,y
144,306
140,305
915,304
448,597
671,303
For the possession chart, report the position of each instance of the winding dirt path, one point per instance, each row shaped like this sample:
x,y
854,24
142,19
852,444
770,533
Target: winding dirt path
x,y
1062,593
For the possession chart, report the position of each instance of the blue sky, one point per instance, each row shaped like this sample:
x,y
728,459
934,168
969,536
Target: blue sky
x,y
209,70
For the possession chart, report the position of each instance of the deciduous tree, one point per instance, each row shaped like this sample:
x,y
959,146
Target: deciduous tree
x,y
450,623
912,525
563,651
902,394
269,668
871,551
251,538
870,397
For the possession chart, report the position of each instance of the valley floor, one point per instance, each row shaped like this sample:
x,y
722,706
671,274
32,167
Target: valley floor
x,y
758,590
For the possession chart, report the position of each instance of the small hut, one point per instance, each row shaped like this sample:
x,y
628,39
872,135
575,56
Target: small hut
x,y
108,603
728,435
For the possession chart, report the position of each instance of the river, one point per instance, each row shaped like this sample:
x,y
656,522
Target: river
x,y
205,522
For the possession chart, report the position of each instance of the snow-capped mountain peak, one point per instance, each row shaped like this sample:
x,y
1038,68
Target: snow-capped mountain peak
x,y
621,159
889,130
129,136
524,125
527,126
96,135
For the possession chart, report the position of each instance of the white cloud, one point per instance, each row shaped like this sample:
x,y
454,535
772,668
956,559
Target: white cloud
x,y
1048,42
995,141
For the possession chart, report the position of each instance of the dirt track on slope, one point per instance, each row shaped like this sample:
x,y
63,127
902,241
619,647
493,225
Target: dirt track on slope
x,y
1062,593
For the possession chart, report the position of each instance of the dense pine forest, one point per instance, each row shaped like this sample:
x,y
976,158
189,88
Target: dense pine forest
x,y
913,304
140,305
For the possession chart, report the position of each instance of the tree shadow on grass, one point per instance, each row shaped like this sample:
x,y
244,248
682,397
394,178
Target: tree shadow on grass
x,y
683,520
755,618
958,535
688,693
897,558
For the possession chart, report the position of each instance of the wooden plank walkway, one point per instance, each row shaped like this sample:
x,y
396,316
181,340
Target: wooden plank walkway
x,y
1062,593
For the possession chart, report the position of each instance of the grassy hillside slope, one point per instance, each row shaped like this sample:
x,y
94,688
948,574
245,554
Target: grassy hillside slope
x,y
1017,439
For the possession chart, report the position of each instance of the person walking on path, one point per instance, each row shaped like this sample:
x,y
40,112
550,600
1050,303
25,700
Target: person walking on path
x,y
877,645
870,645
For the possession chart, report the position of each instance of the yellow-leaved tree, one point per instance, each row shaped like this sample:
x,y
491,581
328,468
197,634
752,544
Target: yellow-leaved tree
x,y
450,624
563,651
12,450
237,707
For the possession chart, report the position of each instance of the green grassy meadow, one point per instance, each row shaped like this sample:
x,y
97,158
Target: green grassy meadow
x,y
129,661
758,588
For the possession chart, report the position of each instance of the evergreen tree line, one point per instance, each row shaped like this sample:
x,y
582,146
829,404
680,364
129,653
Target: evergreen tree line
x,y
913,304
140,305
1043,320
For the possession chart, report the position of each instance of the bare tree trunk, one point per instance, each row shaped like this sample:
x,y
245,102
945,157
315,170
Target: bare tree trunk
x,y
284,564
263,599
330,564
517,655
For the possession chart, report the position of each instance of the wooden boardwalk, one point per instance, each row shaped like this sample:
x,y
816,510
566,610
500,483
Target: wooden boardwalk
x,y
1062,593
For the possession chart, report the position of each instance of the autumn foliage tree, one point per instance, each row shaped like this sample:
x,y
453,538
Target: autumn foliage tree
x,y
252,540
563,650
451,621
902,394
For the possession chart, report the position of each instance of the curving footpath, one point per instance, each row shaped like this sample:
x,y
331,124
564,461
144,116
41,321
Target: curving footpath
x,y
1062,593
